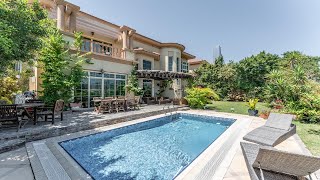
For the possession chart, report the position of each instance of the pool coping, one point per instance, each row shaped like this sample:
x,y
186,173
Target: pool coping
x,y
199,167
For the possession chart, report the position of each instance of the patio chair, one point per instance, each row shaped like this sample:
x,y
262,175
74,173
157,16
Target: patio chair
x,y
52,111
96,103
267,163
137,100
133,103
120,105
277,129
9,116
105,106
163,100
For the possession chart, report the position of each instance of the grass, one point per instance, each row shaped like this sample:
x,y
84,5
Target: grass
x,y
238,107
309,133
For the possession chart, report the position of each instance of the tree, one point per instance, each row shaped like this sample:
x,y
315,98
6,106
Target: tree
x,y
133,83
218,76
8,87
309,64
219,61
62,69
252,71
21,27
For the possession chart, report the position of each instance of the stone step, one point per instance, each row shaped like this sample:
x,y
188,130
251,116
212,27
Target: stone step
x,y
8,145
184,108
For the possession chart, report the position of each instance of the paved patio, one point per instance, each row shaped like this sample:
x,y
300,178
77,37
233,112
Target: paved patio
x,y
15,164
73,122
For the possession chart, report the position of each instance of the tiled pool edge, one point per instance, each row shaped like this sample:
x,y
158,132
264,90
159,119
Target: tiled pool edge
x,y
214,161
71,166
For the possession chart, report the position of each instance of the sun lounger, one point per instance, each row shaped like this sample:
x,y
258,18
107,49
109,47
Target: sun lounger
x,y
267,163
277,129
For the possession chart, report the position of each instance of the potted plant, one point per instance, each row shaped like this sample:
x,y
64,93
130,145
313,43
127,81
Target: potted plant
x,y
264,114
252,107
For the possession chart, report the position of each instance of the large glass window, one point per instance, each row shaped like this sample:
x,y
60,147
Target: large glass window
x,y
109,90
147,65
100,85
86,45
81,93
147,88
170,63
178,64
95,89
185,67
120,87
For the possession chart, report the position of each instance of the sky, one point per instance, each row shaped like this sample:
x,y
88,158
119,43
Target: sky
x,y
241,27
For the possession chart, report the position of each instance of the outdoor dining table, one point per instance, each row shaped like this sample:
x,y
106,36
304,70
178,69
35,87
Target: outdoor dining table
x,y
34,107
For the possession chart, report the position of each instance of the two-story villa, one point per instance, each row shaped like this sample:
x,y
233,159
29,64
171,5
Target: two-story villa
x,y
115,52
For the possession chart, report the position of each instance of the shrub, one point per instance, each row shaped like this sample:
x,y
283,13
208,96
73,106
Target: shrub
x,y
199,97
291,91
6,100
8,87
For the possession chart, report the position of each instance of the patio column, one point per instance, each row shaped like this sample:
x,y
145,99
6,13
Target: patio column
x,y
131,33
73,20
124,40
60,16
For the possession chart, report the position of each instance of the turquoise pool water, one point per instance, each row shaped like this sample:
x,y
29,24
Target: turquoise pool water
x,y
156,149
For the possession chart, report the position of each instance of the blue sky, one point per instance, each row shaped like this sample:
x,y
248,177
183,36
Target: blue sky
x,y
241,27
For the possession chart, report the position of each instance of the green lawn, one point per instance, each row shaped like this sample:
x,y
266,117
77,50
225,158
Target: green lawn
x,y
239,107
309,133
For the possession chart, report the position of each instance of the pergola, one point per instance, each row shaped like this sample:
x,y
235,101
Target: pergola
x,y
162,75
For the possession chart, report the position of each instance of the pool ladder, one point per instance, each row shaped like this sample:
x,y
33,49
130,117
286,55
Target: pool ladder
x,y
168,107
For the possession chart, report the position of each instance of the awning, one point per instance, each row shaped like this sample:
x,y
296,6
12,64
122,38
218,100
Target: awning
x,y
162,75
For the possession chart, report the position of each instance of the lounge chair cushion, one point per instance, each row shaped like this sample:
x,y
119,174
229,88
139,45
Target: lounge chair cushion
x,y
265,135
279,121
279,161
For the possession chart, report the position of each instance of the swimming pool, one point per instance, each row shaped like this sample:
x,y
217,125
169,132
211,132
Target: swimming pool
x,y
155,149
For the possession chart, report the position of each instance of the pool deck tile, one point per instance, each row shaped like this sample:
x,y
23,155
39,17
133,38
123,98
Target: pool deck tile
x,y
15,165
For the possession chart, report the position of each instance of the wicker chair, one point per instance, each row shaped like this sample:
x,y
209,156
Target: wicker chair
x,y
268,163
52,111
277,129
9,116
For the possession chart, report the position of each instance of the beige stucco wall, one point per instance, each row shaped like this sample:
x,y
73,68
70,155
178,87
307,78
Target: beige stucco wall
x,y
194,66
146,47
175,90
108,66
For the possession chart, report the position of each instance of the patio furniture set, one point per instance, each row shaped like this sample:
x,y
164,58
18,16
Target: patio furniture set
x,y
111,104
265,162
31,110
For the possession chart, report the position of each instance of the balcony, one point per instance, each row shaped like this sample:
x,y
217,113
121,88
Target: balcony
x,y
101,48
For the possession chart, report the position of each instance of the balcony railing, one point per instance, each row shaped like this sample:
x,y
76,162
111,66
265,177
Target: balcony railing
x,y
100,48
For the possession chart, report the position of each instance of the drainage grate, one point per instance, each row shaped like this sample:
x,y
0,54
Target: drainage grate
x,y
51,166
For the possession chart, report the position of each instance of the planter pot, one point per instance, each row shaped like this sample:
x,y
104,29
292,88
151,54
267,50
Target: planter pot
x,y
252,112
264,116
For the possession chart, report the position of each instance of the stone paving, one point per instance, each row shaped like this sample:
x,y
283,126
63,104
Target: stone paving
x,y
15,164
73,122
